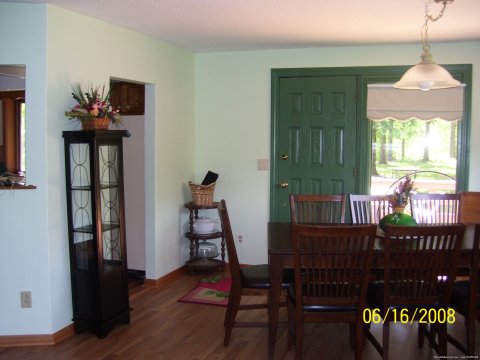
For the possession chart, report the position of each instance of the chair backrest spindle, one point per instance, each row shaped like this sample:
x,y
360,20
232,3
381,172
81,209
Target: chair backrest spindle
x,y
332,263
421,263
435,208
368,209
317,209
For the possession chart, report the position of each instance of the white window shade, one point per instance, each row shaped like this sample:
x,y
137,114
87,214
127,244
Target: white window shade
x,y
386,102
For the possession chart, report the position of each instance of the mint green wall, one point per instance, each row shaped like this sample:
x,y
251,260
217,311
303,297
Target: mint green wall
x,y
116,52
24,249
233,120
60,47
204,111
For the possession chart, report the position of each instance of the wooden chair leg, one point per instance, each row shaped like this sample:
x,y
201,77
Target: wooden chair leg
x,y
229,308
433,333
421,335
299,332
386,338
366,328
359,339
352,335
442,339
471,335
291,325
230,317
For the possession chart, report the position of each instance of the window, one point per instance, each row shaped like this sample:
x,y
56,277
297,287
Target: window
x,y
448,141
424,150
12,148
21,133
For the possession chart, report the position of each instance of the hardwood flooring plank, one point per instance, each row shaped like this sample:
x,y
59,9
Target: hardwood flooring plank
x,y
161,328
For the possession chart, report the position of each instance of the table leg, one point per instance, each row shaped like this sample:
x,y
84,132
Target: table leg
x,y
276,271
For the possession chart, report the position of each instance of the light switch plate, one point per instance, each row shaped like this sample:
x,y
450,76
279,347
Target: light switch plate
x,y
263,164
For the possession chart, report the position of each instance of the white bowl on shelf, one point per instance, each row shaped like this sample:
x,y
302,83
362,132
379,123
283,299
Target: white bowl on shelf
x,y
204,225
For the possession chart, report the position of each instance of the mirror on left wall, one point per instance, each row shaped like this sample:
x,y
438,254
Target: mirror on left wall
x,y
12,122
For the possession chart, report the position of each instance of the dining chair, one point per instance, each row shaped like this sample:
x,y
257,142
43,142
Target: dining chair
x,y
420,264
332,266
466,293
435,208
368,209
246,281
317,209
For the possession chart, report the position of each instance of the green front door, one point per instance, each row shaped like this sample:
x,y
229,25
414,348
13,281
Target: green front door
x,y
314,139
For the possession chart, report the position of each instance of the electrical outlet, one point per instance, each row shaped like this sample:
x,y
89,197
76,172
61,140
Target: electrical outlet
x,y
26,299
240,238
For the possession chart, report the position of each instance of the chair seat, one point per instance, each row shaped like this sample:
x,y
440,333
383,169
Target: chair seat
x,y
320,307
460,295
375,299
258,277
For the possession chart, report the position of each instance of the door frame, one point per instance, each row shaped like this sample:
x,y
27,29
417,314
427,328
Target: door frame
x,y
370,75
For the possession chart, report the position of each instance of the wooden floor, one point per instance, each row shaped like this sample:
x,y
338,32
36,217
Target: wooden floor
x,y
162,328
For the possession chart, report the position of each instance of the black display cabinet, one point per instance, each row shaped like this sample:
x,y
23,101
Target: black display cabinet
x,y
96,229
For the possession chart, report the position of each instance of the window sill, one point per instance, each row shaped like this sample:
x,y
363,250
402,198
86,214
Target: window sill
x,y
17,187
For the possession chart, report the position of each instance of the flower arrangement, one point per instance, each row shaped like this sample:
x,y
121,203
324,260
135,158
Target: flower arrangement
x,y
401,194
93,103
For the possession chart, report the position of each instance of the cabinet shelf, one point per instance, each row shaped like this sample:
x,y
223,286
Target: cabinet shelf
x,y
193,207
89,187
214,235
204,264
108,185
88,229
81,187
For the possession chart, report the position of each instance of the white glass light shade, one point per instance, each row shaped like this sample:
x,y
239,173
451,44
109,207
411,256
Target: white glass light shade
x,y
426,76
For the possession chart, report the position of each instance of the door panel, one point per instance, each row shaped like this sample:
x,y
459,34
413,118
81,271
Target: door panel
x,y
314,139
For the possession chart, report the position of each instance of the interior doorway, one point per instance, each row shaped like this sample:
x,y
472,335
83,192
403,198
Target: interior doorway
x,y
130,97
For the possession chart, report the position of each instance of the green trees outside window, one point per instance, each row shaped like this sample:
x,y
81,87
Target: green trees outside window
x,y
426,148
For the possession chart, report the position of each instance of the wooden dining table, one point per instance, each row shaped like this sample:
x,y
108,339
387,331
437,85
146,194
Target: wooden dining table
x,y
280,256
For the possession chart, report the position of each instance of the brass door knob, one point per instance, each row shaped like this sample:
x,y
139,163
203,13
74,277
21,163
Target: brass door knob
x,y
284,156
284,185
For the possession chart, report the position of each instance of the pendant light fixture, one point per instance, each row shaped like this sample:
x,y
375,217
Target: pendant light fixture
x,y
427,75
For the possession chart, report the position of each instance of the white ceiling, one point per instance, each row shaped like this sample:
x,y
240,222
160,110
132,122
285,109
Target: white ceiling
x,y
225,25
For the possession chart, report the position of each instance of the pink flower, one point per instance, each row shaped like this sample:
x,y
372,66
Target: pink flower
x,y
93,102
94,110
401,194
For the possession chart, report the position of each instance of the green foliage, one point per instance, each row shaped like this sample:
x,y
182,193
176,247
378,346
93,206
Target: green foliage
x,y
405,143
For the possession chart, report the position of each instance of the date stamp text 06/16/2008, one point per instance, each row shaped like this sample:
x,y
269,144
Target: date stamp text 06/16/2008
x,y
408,316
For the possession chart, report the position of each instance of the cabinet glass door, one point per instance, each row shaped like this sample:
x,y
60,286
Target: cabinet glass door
x,y
108,165
81,197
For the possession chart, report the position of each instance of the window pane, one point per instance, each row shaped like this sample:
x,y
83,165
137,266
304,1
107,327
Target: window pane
x,y
22,137
427,150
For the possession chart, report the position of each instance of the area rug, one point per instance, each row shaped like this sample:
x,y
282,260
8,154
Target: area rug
x,y
213,290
